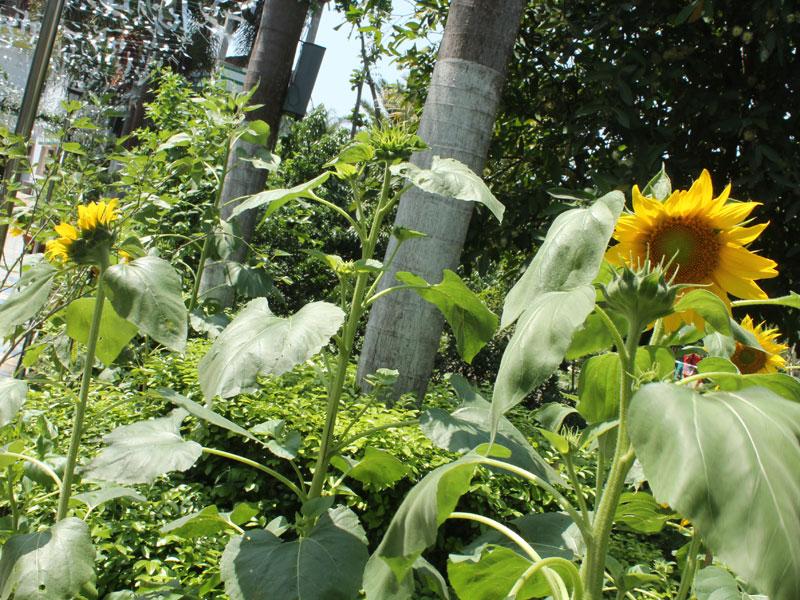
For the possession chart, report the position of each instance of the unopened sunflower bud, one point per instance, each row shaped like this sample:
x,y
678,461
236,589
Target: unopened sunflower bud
x,y
642,295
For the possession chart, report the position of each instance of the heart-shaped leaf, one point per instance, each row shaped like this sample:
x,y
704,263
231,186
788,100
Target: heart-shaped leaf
x,y
140,452
258,342
115,332
728,462
147,292
54,564
328,563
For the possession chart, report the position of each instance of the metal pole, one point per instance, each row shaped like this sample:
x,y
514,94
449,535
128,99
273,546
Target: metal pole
x,y
33,92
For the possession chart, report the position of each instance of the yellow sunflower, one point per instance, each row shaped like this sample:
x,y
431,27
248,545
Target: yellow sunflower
x,y
751,360
703,236
58,249
95,214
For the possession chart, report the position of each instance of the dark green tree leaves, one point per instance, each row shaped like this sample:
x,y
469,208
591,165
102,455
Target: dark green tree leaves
x,y
258,342
727,461
147,292
327,563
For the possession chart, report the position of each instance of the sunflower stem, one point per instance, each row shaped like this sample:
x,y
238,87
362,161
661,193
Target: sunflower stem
x,y
80,409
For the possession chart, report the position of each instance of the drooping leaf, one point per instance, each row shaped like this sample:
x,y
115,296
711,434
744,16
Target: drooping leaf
x,y
107,493
660,186
140,452
54,564
593,336
472,323
538,345
569,257
552,414
147,292
328,563
469,426
415,524
27,297
727,461
377,469
12,396
115,332
709,306
275,199
453,179
258,342
205,522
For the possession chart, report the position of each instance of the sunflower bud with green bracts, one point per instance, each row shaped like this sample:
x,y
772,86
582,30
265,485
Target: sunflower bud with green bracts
x,y
90,243
395,143
642,295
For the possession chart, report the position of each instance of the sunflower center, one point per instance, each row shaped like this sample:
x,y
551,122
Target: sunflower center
x,y
748,360
692,245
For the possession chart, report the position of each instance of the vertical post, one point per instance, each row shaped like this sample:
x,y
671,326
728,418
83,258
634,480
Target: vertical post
x,y
33,92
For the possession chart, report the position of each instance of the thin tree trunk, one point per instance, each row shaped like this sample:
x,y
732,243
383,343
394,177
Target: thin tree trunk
x,y
270,68
403,331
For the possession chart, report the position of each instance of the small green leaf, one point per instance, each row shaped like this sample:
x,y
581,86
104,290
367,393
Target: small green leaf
x,y
243,512
107,493
593,336
453,179
12,396
285,443
640,512
404,234
27,297
275,199
660,186
115,332
205,522
557,441
147,292
716,364
328,563
378,469
206,414
54,564
140,452
73,148
258,342
256,132
472,323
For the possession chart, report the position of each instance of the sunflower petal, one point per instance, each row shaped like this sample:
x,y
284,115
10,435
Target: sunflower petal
x,y
732,214
744,235
742,262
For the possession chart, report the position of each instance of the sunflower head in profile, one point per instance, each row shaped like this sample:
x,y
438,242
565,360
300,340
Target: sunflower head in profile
x,y
703,239
751,360
89,243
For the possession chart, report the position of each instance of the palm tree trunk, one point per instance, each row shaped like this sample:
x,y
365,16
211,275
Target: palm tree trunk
x,y
269,68
457,121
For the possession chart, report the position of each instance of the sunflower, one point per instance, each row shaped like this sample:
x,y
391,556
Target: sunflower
x,y
95,214
58,249
705,239
752,360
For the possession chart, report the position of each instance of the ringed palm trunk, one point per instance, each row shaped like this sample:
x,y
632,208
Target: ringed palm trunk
x,y
457,121
270,68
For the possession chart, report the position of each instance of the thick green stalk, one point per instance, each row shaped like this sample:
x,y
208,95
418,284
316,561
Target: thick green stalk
x,y
593,568
346,342
689,569
80,410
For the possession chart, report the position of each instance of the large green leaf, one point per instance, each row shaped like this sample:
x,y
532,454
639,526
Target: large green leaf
x,y
377,468
115,332
275,199
258,342
729,463
601,378
640,512
55,564
538,345
472,323
451,178
415,524
12,396
140,452
107,493
147,292
27,297
569,257
593,336
713,583
325,565
709,306
550,534
468,427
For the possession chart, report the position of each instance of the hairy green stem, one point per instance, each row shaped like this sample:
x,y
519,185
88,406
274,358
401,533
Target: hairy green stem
x,y
593,567
12,500
553,579
264,469
83,397
687,577
565,564
576,485
345,342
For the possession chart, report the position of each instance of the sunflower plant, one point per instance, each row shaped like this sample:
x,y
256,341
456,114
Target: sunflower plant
x,y
258,343
711,452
